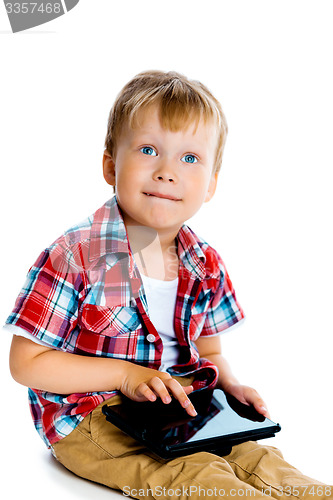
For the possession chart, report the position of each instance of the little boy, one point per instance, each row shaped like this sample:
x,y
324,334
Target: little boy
x,y
131,302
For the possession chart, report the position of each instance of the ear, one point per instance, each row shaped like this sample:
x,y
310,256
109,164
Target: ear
x,y
212,187
109,172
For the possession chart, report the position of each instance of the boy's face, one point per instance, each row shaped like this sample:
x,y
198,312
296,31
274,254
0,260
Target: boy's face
x,y
161,177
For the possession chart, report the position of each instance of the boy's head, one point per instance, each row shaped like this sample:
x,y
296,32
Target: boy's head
x,y
180,102
163,149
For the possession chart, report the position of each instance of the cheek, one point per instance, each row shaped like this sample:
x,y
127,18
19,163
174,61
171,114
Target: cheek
x,y
200,184
125,175
121,179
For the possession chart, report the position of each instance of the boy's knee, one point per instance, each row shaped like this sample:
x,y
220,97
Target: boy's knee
x,y
198,464
252,452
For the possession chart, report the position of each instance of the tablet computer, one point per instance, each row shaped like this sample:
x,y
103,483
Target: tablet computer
x,y
168,431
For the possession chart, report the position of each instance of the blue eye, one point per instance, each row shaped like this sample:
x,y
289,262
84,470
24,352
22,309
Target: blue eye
x,y
147,150
189,159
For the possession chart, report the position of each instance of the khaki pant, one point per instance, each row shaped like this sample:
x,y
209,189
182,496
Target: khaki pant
x,y
99,451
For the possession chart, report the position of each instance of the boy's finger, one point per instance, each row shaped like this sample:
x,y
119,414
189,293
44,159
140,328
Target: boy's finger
x,y
188,388
159,387
144,391
260,406
179,393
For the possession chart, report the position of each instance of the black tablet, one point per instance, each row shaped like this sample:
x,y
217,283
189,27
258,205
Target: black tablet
x,y
168,431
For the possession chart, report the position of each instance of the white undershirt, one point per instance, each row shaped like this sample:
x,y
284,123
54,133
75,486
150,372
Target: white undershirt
x,y
161,298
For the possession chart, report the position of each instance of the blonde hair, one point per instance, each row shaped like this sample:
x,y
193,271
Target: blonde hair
x,y
181,102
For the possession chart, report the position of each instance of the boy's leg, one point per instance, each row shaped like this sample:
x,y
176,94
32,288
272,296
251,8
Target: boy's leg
x,y
264,468
99,451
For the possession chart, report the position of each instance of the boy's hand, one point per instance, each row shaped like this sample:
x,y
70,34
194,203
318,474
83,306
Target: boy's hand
x,y
141,384
248,396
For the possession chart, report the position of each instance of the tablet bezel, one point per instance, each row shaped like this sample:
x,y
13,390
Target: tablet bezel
x,y
143,421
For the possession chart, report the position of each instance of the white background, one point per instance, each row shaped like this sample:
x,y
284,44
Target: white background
x,y
270,64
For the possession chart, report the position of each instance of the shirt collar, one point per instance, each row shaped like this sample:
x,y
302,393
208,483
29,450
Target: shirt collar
x,y
108,235
190,252
108,232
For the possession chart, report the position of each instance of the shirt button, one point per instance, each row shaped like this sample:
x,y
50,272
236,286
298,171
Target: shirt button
x,y
150,337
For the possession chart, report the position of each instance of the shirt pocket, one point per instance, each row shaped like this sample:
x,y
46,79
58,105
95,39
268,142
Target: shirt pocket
x,y
108,331
109,321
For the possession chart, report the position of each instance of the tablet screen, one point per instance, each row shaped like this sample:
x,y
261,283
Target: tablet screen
x,y
223,417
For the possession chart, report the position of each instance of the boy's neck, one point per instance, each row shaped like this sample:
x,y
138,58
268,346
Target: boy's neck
x,y
155,253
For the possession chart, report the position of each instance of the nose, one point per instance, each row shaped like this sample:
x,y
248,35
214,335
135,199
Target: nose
x,y
165,172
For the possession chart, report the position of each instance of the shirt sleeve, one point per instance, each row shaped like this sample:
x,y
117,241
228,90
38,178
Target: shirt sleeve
x,y
224,310
47,305
16,330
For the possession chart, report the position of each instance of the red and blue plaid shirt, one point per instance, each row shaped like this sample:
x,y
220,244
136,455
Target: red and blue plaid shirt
x,y
84,295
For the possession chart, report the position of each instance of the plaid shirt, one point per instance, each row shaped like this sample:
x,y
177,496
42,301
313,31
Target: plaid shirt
x,y
84,295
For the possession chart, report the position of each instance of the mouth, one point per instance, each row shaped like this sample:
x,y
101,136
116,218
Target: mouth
x,y
163,196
